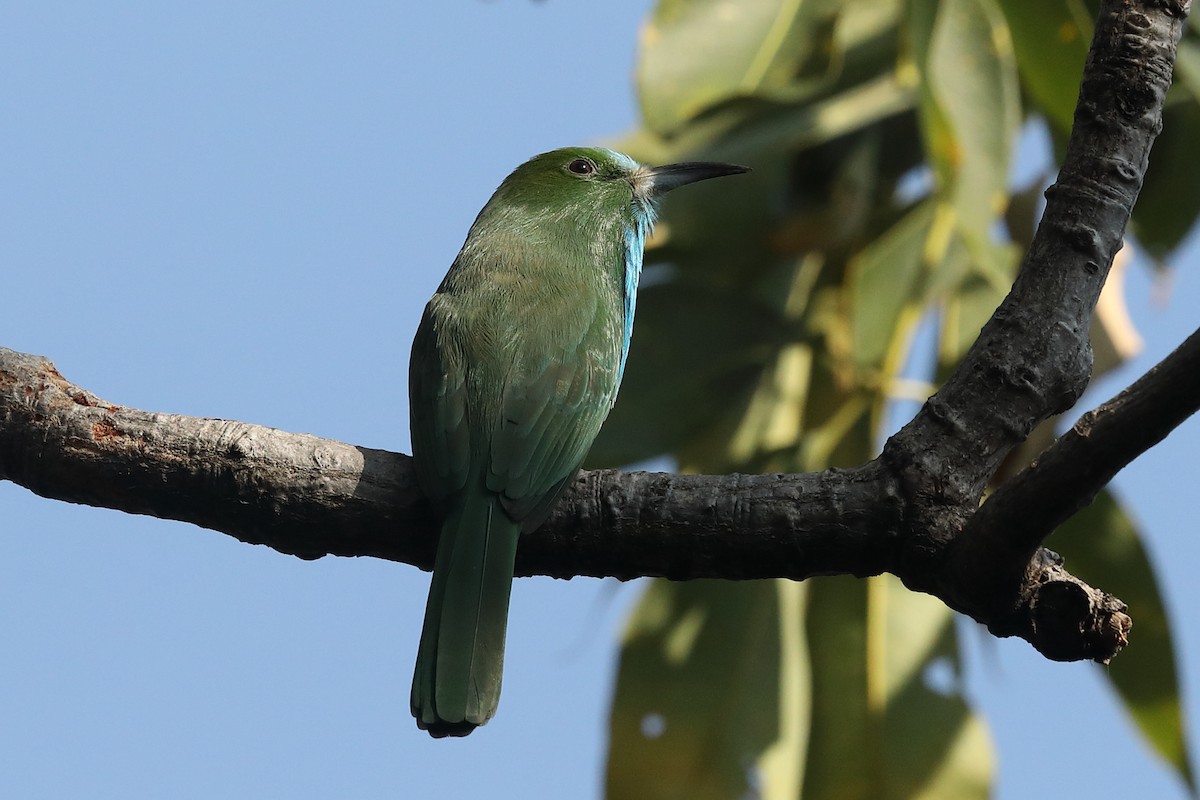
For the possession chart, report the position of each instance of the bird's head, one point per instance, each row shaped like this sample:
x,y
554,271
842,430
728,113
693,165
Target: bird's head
x,y
589,180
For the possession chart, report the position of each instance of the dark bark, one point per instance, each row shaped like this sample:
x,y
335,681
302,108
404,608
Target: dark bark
x,y
1071,472
915,511
312,497
1033,360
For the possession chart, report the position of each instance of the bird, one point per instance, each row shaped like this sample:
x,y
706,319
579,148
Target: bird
x,y
515,365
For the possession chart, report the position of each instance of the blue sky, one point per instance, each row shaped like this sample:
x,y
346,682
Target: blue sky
x,y
239,212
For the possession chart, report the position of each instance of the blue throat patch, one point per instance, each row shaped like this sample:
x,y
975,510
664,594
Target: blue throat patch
x,y
635,246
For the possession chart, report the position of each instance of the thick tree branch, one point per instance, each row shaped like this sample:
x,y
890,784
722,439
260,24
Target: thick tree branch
x,y
311,497
913,512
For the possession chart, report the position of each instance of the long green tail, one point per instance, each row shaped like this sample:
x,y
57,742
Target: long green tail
x,y
460,661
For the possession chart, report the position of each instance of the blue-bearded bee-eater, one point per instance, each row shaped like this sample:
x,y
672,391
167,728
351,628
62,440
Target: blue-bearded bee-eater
x,y
514,368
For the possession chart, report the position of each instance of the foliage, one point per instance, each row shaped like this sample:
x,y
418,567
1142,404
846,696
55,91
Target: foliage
x,y
776,321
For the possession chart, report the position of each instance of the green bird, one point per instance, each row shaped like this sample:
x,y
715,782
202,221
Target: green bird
x,y
514,367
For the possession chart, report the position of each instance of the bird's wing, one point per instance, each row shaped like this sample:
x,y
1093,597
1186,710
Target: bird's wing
x,y
553,405
437,380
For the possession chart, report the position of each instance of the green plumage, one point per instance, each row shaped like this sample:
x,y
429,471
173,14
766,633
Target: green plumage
x,y
514,368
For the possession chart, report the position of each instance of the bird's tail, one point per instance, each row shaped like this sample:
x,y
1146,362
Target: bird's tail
x,y
460,660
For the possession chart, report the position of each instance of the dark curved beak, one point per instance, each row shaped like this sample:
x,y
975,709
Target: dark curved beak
x,y
672,176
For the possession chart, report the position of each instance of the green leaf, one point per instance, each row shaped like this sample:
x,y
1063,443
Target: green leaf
x,y
1102,546
1169,203
1187,65
782,763
698,698
1051,40
881,730
970,106
887,729
709,343
970,304
885,278
696,53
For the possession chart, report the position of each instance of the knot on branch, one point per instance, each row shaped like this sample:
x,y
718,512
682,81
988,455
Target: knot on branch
x,y
1074,622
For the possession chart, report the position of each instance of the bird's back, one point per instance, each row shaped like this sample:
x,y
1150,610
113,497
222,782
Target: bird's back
x,y
518,353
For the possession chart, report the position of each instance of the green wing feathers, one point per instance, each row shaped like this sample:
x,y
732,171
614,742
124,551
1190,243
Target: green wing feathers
x,y
438,411
504,408
549,421
460,660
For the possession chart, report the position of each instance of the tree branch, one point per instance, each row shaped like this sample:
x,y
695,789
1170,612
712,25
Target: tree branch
x,y
311,497
1033,359
1069,474
913,512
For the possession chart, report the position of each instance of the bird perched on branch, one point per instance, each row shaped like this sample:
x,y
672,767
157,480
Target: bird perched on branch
x,y
514,367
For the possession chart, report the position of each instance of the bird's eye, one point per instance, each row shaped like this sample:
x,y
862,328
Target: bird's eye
x,y
581,166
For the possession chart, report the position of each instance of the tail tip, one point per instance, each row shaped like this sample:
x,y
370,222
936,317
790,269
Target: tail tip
x,y
440,728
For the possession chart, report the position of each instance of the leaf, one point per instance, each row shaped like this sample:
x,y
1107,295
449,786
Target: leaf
x,y
696,53
971,304
969,106
1187,64
692,350
1025,211
697,697
1169,203
884,730
782,764
1051,40
1102,546
885,278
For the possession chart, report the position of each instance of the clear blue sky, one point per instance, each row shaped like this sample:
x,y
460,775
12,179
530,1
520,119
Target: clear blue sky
x,y
238,211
